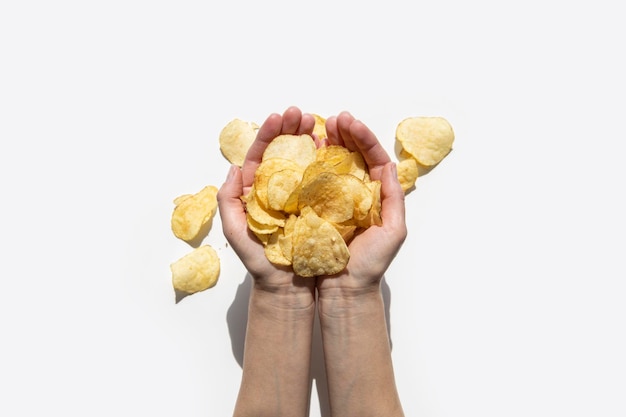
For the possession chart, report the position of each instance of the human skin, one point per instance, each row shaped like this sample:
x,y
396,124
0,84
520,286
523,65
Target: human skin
x,y
277,353
356,345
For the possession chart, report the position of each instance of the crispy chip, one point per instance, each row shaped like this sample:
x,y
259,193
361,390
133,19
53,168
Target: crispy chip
x,y
427,139
264,172
280,187
318,248
262,215
297,148
319,129
193,214
408,173
329,196
235,140
332,154
273,250
196,271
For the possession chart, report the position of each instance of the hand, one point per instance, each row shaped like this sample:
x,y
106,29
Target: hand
x,y
372,251
231,209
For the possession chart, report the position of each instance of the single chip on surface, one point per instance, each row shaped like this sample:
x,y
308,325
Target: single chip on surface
x,y
427,139
408,173
196,271
235,140
193,213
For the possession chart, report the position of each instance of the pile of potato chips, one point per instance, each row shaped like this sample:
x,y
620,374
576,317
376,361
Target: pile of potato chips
x,y
306,203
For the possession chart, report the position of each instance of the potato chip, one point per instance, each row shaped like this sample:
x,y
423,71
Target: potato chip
x,y
319,129
318,248
280,187
297,148
196,271
373,217
361,194
259,228
332,154
285,240
265,170
273,250
235,140
353,164
329,196
427,139
193,214
408,173
262,215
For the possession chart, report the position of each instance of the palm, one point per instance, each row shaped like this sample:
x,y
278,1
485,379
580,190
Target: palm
x,y
234,223
372,251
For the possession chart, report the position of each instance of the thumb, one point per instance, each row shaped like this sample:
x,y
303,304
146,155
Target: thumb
x,y
393,210
230,205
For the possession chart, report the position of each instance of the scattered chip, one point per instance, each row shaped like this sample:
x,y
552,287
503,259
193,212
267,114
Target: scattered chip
x,y
427,139
235,140
196,271
408,173
193,214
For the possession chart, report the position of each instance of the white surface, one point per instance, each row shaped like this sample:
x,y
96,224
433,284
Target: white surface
x,y
507,298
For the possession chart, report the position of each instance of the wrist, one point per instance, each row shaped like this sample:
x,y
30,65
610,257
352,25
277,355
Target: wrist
x,y
283,296
347,303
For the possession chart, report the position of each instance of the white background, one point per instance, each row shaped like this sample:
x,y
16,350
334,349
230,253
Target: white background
x,y
507,298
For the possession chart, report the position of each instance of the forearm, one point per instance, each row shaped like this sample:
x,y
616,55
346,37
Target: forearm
x,y
358,355
276,365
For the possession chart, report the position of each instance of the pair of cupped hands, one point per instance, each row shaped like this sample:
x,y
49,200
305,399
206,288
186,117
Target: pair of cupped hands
x,y
371,252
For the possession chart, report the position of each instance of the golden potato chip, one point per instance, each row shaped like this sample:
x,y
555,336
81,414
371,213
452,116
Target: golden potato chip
x,y
373,216
235,140
291,205
273,250
285,240
180,198
346,229
262,215
319,129
265,170
329,196
361,195
318,248
408,173
196,271
353,164
280,186
193,214
332,154
258,228
297,148
427,139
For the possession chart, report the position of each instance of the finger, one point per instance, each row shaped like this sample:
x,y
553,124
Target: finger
x,y
332,132
230,206
306,125
393,210
291,120
344,121
267,132
368,145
